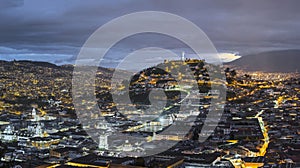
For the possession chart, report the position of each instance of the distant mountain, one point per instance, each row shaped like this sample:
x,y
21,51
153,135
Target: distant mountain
x,y
29,63
272,61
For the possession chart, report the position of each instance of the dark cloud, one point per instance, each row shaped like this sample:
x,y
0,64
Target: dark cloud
x,y
4,4
61,27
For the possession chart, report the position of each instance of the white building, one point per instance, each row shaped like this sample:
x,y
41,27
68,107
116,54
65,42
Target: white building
x,y
8,134
103,141
166,120
35,117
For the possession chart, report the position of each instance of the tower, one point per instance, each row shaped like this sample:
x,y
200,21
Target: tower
x,y
33,114
39,131
103,142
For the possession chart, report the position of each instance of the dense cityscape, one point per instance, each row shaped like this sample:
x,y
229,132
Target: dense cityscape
x,y
149,84
259,126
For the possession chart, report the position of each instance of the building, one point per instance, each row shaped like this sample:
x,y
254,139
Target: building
x,y
103,142
63,152
253,161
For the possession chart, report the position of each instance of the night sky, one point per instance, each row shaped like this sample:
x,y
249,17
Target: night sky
x,y
55,30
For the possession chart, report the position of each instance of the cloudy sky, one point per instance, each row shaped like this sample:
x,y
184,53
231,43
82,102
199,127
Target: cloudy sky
x,y
55,30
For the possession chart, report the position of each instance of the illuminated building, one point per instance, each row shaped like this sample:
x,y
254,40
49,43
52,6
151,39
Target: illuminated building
x,y
253,162
103,142
43,142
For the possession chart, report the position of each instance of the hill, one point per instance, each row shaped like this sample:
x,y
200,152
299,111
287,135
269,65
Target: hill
x,y
272,61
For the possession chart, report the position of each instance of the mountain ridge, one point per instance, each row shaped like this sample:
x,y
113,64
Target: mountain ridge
x,y
285,61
